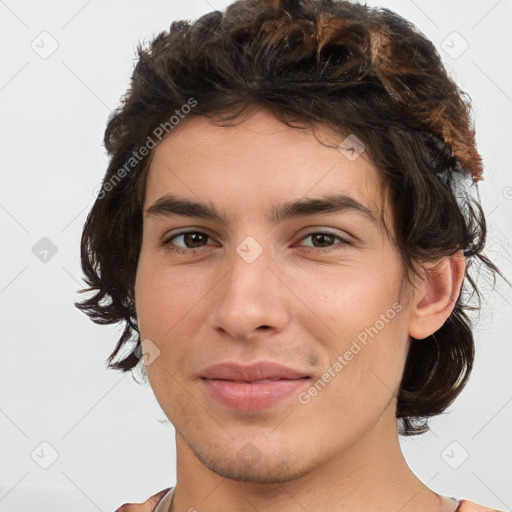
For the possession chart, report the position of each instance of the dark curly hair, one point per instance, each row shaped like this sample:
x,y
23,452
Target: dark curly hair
x,y
361,70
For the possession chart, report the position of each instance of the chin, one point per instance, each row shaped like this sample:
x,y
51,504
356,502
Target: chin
x,y
264,471
256,462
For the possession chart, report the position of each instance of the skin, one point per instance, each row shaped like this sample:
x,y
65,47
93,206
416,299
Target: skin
x,y
341,450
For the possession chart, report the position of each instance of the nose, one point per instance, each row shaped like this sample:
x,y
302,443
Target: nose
x,y
250,298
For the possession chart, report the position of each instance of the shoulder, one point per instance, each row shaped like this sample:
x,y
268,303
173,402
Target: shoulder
x,y
148,506
469,506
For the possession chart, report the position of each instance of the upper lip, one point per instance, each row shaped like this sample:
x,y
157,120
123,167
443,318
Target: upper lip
x,y
256,371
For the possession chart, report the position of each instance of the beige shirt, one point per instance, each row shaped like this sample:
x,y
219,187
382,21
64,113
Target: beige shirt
x,y
165,503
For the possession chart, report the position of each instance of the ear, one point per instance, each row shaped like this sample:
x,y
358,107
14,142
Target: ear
x,y
435,297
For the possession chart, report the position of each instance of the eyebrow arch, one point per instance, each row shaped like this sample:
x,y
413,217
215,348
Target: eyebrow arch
x,y
169,205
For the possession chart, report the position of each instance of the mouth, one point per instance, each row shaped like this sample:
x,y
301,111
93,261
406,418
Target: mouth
x,y
270,379
252,395
260,370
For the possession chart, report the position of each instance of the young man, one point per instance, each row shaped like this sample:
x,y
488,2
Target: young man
x,y
285,227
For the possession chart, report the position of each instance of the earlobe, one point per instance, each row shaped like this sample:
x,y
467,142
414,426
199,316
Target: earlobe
x,y
436,296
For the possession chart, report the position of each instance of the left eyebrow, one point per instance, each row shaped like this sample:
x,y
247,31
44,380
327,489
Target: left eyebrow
x,y
334,203
170,205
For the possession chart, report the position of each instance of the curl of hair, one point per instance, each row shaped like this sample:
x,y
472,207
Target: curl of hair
x,y
361,70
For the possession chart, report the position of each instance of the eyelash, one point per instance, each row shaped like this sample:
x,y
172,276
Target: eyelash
x,y
178,250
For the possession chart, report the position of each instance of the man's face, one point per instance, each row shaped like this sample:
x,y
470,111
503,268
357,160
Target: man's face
x,y
249,289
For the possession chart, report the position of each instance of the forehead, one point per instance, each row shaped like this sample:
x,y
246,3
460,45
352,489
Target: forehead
x,y
258,162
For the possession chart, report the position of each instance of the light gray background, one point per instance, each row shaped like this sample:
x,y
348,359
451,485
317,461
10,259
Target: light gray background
x,y
106,429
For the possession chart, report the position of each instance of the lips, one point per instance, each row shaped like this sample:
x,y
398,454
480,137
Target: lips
x,y
253,387
260,371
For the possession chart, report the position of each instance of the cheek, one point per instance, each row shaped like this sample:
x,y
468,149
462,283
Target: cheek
x,y
170,304
367,343
163,295
348,298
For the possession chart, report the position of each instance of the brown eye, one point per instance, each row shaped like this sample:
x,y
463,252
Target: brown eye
x,y
191,239
325,239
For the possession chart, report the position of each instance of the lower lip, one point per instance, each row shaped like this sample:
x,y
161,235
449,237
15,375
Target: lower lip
x,y
247,396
